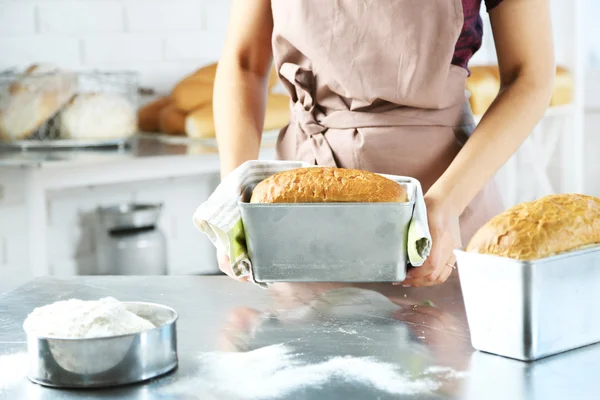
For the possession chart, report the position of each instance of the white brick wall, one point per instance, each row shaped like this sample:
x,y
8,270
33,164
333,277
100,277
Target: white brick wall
x,y
17,19
163,16
121,49
77,17
162,39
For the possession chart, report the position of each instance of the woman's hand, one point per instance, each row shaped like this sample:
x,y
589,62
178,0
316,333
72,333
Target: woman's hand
x,y
225,266
445,235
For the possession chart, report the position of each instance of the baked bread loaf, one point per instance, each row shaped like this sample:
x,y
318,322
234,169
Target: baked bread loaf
x,y
196,90
277,114
148,114
483,85
328,185
98,116
172,121
533,230
563,92
189,95
33,98
200,124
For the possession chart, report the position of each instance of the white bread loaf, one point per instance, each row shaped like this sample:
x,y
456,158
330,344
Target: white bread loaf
x,y
100,116
33,98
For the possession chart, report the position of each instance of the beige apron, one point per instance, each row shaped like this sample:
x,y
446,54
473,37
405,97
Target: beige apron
x,y
372,87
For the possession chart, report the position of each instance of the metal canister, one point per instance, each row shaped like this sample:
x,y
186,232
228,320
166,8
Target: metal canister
x,y
130,242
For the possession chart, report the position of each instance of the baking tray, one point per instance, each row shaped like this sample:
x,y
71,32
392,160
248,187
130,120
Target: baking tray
x,y
553,304
328,242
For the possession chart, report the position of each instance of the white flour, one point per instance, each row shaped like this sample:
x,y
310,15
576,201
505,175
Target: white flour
x,y
445,372
274,371
85,319
13,370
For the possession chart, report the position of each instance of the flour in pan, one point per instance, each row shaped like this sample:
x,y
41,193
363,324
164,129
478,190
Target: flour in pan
x,y
85,319
274,371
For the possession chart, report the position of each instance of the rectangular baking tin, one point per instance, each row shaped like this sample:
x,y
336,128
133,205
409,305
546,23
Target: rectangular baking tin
x,y
528,310
328,242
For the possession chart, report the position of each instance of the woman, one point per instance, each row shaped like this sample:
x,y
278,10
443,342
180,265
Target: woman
x,y
380,85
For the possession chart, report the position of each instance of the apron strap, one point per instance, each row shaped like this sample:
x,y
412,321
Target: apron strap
x,y
304,112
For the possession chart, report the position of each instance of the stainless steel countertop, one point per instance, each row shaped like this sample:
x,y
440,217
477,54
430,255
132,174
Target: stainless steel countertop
x,y
224,324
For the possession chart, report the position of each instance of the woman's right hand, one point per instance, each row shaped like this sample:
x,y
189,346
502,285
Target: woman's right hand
x,y
225,266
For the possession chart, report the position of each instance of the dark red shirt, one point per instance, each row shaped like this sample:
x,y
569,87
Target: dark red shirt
x,y
471,36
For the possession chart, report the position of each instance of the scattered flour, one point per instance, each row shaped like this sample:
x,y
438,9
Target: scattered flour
x,y
85,319
347,331
445,372
13,370
274,371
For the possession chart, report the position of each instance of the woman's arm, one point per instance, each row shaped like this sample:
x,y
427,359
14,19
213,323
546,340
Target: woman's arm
x,y
523,36
241,83
524,44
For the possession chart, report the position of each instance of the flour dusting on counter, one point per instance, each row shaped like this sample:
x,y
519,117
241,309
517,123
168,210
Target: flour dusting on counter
x,y
13,370
445,372
275,371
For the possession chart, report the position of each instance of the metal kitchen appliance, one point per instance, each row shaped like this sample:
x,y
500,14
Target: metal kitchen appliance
x,y
328,242
130,242
528,310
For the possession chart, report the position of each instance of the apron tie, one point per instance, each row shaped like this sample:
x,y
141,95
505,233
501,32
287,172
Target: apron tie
x,y
315,123
304,111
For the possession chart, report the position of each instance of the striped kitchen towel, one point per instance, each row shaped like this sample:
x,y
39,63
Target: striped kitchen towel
x,y
220,219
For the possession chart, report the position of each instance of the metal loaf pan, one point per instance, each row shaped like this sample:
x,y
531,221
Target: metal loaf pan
x,y
528,310
328,242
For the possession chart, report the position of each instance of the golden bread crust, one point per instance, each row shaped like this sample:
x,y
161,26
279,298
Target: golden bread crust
x,y
327,185
548,226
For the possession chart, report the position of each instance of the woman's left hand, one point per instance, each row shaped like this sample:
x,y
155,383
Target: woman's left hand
x,y
445,236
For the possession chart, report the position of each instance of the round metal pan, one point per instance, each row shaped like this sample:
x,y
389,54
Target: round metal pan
x,y
107,361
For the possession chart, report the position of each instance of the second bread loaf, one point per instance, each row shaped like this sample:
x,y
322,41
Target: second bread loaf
x,y
533,230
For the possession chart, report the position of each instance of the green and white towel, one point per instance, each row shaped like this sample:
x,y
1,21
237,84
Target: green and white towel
x,y
220,219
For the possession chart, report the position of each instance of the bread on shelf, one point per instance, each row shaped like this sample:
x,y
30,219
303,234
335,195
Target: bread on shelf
x,y
277,113
538,229
172,120
563,92
34,98
199,124
98,116
189,95
187,110
196,90
484,84
148,114
327,185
